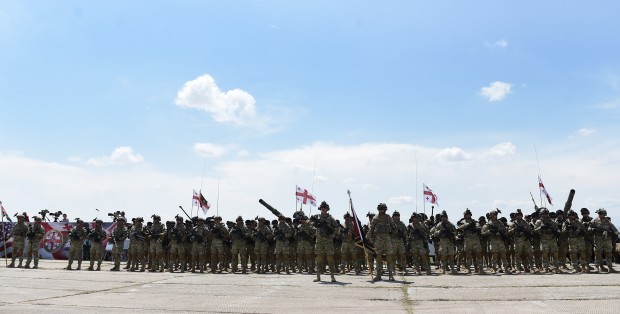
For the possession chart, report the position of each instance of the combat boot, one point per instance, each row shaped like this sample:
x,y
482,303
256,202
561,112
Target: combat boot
x,y
244,271
98,267
391,275
318,278
115,268
611,269
12,265
90,268
377,276
481,271
602,268
127,266
20,263
79,266
69,267
36,264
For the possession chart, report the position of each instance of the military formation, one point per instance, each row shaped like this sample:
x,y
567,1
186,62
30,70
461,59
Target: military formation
x,y
543,241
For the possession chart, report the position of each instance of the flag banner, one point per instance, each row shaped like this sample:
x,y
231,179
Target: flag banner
x,y
4,214
544,191
195,199
357,225
204,204
304,197
429,196
56,242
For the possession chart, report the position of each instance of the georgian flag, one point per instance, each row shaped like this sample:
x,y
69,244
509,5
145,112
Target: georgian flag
x,y
199,201
429,196
304,197
544,191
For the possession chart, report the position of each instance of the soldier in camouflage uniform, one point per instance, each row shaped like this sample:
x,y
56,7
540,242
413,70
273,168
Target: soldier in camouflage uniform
x,y
562,239
521,232
495,231
156,249
472,249
96,237
380,235
199,237
399,239
118,236
250,244
20,230
326,227
349,250
549,232
536,241
177,246
586,220
77,236
34,235
574,231
282,234
603,231
304,234
445,231
238,234
138,241
218,234
417,234
261,236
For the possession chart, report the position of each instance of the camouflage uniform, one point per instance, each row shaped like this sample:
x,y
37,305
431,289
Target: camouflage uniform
x,y
495,231
34,235
20,230
156,248
399,237
549,232
521,232
238,234
349,250
199,237
445,232
470,231
118,236
261,236
586,220
380,234
603,231
96,237
218,234
562,239
417,234
77,236
282,234
138,241
325,226
177,246
250,244
574,231
304,234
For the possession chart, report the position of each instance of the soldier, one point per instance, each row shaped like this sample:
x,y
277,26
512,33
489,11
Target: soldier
x,y
199,237
177,245
238,234
282,234
324,248
77,236
271,247
586,220
495,231
380,229
484,243
261,235
138,241
603,231
304,235
118,236
156,247
417,234
445,232
218,234
472,249
20,230
349,250
34,235
96,236
562,239
399,238
250,243
536,241
548,231
574,231
521,232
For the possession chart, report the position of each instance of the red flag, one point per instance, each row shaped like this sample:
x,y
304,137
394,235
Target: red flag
x,y
357,225
204,204
4,214
429,196
544,191
304,197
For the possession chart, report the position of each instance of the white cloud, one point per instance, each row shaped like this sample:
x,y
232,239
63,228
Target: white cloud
x,y
453,154
502,43
496,91
234,106
369,186
120,156
209,150
586,131
399,200
243,153
501,150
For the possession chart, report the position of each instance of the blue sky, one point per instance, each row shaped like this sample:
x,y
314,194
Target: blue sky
x,y
119,106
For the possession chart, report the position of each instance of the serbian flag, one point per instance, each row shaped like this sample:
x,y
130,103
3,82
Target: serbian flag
x,y
544,191
429,196
4,214
357,225
304,197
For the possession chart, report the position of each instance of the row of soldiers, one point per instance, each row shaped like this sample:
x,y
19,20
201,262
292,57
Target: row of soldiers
x,y
306,243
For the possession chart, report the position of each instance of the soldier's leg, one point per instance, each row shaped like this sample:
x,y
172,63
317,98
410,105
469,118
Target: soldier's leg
x,y
319,266
129,257
70,257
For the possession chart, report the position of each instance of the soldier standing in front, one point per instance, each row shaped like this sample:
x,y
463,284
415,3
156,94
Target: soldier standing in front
x,y
379,234
324,248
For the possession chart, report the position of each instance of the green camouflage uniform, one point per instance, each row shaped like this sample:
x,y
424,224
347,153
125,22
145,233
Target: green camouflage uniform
x,y
282,234
521,232
238,234
304,234
218,233
138,241
417,234
495,231
603,231
261,236
96,236
20,230
549,232
326,227
575,232
35,234
77,236
380,234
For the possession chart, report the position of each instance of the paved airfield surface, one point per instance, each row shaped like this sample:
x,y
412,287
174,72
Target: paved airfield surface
x,y
51,289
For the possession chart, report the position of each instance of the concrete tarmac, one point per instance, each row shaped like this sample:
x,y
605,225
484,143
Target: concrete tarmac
x,y
51,289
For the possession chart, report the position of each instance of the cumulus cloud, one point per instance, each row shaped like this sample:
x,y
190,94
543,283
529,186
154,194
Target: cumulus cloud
x,y
453,154
496,91
501,150
209,150
234,106
586,131
120,156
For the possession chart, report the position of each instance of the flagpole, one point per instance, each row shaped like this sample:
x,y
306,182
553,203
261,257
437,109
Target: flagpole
x,y
6,261
217,204
204,165
539,177
316,156
416,182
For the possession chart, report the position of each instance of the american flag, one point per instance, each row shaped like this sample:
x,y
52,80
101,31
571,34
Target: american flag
x,y
5,232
